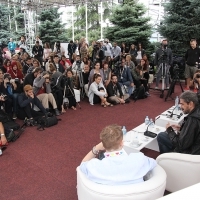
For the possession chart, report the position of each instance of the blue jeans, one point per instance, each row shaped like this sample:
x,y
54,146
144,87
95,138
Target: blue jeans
x,y
129,87
164,143
14,97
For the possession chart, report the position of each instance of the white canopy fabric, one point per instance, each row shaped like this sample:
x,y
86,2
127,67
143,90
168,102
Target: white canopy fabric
x,y
39,4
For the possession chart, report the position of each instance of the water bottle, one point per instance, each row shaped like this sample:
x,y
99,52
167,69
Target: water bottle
x,y
152,123
146,121
0,152
176,101
176,105
124,132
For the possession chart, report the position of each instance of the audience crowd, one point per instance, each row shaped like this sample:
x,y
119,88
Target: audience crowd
x,y
49,79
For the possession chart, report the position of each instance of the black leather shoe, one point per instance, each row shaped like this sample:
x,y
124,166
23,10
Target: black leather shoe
x,y
57,112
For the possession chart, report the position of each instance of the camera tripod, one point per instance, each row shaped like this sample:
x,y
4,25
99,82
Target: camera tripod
x,y
164,73
79,76
175,80
73,94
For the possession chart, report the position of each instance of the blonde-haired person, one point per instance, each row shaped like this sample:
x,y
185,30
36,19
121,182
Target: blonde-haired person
x,y
117,168
129,62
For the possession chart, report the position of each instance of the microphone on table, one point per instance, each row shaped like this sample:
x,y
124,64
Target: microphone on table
x,y
149,133
172,113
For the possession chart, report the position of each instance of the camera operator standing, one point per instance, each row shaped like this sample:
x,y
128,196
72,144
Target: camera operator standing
x,y
163,61
192,60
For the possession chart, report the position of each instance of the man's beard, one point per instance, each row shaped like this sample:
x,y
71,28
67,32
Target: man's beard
x,y
186,111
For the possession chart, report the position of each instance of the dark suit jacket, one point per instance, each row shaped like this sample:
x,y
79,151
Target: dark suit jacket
x,y
111,91
29,78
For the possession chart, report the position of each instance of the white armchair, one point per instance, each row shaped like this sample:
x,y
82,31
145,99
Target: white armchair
x,y
151,189
183,170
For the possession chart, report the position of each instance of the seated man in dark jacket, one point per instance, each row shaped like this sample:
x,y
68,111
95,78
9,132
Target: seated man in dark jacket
x,y
26,101
125,77
114,91
187,139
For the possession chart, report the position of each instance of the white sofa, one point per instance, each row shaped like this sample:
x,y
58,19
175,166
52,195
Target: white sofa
x,y
183,170
151,189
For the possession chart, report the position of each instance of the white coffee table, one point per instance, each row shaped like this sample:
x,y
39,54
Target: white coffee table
x,y
163,118
150,143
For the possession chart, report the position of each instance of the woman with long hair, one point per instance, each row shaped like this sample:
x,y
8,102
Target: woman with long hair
x,y
47,51
69,91
140,52
6,65
97,92
15,72
87,61
145,69
94,71
58,49
84,50
133,50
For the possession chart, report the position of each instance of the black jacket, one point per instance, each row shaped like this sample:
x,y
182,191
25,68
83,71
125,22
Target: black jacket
x,y
159,58
29,78
110,89
192,56
71,48
24,101
37,51
188,141
60,68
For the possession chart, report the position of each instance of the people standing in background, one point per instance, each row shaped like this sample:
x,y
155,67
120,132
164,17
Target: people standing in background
x,y
84,50
108,51
133,51
192,58
11,46
140,53
71,50
116,52
58,49
37,51
47,51
124,49
38,39
22,43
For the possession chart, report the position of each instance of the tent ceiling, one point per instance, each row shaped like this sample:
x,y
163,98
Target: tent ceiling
x,y
48,3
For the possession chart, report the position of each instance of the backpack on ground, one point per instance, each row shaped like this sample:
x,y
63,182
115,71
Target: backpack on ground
x,y
139,93
7,122
47,121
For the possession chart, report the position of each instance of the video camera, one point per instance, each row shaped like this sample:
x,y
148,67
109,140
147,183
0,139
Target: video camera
x,y
116,69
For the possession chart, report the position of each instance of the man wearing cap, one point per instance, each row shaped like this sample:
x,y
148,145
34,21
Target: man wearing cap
x,y
26,101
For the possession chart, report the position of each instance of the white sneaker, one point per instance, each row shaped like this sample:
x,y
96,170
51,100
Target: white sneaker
x,y
167,88
156,88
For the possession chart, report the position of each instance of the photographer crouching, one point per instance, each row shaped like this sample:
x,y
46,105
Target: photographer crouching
x,y
10,90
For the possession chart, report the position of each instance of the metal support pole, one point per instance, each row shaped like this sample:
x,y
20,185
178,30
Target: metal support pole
x,y
101,20
86,23
73,23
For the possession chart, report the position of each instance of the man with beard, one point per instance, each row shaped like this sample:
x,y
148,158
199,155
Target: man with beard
x,y
187,138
